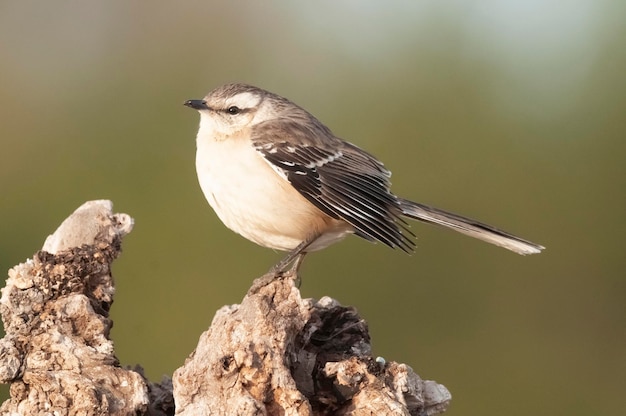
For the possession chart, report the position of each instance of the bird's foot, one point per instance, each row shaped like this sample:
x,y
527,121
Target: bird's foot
x,y
272,275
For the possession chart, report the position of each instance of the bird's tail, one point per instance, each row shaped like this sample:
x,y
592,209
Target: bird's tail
x,y
468,226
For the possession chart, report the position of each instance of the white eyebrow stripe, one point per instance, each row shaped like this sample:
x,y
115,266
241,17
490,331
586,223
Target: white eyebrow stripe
x,y
244,100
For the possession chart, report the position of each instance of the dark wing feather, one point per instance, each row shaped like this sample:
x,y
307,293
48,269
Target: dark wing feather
x,y
337,177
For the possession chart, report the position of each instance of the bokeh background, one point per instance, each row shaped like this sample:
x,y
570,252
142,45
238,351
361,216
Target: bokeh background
x,y
509,111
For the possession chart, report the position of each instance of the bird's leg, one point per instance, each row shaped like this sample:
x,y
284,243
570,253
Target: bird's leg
x,y
297,263
295,267
296,256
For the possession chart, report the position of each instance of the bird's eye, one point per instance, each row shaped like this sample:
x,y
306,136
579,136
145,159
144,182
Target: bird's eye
x,y
233,110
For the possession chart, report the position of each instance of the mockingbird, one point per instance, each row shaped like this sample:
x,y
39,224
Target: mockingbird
x,y
276,175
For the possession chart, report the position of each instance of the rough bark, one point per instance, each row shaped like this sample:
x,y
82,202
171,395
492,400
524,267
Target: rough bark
x,y
279,354
56,353
274,354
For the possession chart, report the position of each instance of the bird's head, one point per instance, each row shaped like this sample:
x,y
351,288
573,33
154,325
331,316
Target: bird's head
x,y
232,108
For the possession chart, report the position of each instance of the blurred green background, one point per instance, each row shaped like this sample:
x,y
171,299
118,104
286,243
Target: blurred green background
x,y
512,112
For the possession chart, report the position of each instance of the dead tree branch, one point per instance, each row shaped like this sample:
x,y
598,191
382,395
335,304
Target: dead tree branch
x,y
273,354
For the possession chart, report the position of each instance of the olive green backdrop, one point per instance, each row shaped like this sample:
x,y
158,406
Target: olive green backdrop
x,y
509,111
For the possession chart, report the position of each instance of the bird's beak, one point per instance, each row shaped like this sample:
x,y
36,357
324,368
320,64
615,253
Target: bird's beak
x,y
197,104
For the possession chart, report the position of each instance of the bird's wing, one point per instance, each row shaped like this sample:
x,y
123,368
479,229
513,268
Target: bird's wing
x,y
337,177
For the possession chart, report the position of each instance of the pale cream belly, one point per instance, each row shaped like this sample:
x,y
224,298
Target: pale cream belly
x,y
253,200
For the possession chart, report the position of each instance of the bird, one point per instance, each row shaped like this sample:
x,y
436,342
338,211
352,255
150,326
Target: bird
x,y
279,177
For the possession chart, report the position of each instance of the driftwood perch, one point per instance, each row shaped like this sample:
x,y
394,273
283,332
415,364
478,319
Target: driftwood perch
x,y
274,354
56,353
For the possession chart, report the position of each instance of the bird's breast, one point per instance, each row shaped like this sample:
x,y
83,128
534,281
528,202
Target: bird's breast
x,y
253,200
